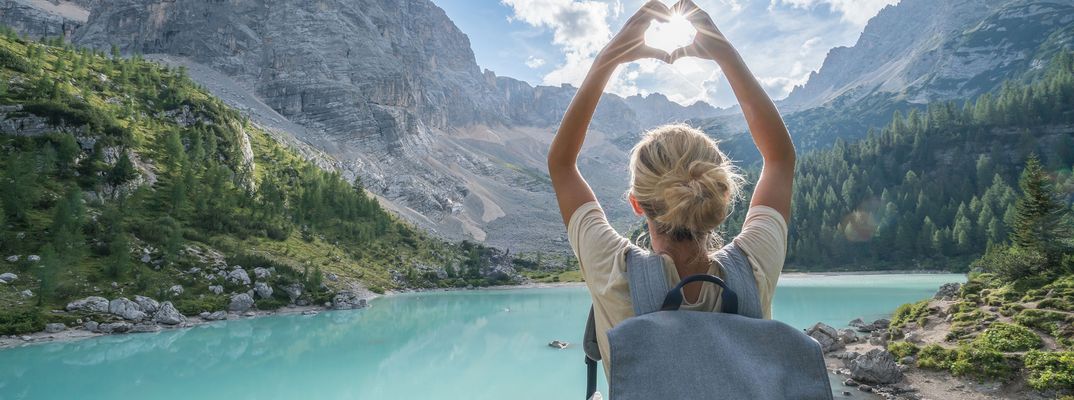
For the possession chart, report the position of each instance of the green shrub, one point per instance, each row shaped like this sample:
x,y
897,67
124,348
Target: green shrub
x,y
980,362
10,60
1050,370
15,322
1057,303
902,349
910,312
376,289
271,303
1044,320
1008,337
935,356
195,306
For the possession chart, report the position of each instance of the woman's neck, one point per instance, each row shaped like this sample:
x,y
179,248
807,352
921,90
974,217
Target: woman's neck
x,y
690,257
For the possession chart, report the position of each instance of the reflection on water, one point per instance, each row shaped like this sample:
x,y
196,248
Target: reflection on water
x,y
460,345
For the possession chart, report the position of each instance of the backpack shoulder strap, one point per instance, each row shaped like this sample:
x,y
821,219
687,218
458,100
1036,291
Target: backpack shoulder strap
x,y
648,283
738,274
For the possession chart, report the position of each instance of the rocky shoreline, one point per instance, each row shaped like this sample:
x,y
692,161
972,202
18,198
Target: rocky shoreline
x,y
122,316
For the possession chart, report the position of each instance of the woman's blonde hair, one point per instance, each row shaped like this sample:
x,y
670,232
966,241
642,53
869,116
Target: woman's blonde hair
x,y
683,182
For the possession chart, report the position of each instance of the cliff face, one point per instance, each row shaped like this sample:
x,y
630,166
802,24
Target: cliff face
x,y
389,89
922,50
45,18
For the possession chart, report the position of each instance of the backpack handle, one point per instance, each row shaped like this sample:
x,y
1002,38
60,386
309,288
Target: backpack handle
x,y
674,298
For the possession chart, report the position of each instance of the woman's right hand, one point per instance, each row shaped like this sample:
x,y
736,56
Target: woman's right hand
x,y
709,43
629,44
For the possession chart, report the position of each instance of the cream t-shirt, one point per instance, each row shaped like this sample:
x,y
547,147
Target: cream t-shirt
x,y
601,253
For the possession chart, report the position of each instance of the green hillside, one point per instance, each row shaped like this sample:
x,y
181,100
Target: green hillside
x,y
932,189
120,177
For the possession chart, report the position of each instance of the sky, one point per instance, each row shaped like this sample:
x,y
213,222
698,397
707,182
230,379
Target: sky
x,y
551,42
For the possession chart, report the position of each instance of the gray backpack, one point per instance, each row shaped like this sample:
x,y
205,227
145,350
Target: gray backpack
x,y
667,353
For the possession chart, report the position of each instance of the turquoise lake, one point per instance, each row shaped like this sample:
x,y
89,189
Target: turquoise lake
x,y
446,345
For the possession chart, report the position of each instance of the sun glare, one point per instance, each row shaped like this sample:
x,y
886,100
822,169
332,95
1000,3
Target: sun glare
x,y
668,36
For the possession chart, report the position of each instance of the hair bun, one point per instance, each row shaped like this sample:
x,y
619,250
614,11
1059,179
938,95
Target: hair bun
x,y
697,197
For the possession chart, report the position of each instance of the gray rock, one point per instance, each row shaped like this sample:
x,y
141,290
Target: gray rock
x,y
12,259
126,309
294,291
875,367
263,290
827,336
115,327
33,258
262,273
347,300
55,328
239,276
908,360
857,323
26,293
91,304
948,291
848,336
90,326
216,316
8,277
204,315
168,315
176,290
216,289
148,305
332,277
240,302
144,327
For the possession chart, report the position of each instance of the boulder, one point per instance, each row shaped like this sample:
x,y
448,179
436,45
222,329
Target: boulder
x,y
848,336
263,290
12,259
92,303
875,367
143,327
239,277
168,315
332,277
293,291
262,273
8,277
216,316
347,300
240,302
115,327
176,290
55,328
33,258
857,323
827,336
26,293
90,326
216,289
948,291
148,305
126,309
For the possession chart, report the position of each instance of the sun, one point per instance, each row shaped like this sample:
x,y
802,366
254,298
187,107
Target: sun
x,y
668,36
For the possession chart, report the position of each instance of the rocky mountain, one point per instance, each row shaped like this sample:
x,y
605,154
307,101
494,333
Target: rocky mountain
x,y
388,89
920,51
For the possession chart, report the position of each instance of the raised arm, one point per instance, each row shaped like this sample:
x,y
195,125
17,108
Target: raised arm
x,y
628,45
766,126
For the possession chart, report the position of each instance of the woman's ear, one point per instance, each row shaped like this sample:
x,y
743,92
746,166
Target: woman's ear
x,y
634,204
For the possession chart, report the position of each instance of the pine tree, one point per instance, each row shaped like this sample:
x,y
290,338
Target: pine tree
x,y
47,274
1040,221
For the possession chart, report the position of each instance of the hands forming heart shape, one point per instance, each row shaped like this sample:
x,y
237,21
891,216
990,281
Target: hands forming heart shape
x,y
629,44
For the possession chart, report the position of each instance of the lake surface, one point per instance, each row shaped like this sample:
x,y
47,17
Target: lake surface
x,y
444,345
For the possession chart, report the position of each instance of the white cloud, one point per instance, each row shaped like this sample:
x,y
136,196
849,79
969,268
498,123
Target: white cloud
x,y
534,62
857,12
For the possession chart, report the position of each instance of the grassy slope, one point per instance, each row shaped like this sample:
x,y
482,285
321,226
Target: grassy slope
x,y
132,106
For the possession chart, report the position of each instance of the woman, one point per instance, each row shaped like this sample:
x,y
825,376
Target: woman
x,y
680,181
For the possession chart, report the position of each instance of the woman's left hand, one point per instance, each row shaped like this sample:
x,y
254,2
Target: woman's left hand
x,y
629,44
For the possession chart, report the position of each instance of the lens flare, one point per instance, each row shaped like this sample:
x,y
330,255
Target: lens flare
x,y
668,36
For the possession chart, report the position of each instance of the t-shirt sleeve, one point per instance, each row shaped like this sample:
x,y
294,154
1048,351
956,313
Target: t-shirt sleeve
x,y
764,240
595,242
